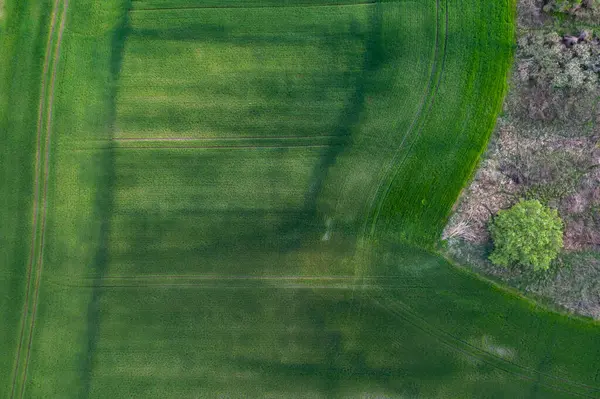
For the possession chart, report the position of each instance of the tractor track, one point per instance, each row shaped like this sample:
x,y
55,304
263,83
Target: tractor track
x,y
301,5
241,138
557,383
241,282
428,97
35,205
201,285
44,194
221,147
394,166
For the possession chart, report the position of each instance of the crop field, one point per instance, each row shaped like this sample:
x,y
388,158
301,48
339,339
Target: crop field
x,y
238,199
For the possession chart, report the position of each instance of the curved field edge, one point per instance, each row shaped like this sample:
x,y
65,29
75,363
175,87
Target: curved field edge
x,y
454,133
489,323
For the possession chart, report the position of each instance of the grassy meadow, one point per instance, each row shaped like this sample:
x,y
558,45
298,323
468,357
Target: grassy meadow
x,y
234,197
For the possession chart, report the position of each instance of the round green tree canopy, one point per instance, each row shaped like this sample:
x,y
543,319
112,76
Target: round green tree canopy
x,y
529,234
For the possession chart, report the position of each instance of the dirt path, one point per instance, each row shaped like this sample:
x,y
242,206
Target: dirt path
x,y
44,193
35,206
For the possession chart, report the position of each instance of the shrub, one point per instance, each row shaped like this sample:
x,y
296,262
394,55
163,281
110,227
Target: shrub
x,y
529,234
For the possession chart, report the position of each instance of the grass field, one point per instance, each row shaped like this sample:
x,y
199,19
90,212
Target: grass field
x,y
232,199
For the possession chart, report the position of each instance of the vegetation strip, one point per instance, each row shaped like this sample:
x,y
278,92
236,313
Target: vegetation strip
x,y
224,147
396,164
251,282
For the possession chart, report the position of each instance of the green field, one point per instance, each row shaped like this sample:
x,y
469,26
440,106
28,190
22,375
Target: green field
x,y
235,199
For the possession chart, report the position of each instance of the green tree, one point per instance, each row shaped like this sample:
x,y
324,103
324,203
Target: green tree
x,y
529,234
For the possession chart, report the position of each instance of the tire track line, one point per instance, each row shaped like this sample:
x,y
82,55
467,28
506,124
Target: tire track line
x,y
221,147
300,5
40,260
241,138
210,281
427,97
498,362
294,286
416,118
392,172
37,173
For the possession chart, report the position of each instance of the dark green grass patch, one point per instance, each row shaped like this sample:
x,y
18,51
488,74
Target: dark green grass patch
x,y
419,328
251,204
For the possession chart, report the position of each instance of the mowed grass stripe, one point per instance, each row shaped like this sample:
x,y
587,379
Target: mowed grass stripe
x,y
361,3
281,77
390,109
225,143
218,282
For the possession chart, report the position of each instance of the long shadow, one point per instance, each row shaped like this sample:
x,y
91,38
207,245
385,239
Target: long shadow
x,y
346,126
104,202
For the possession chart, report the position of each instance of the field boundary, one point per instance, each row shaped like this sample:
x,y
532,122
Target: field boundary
x,y
40,226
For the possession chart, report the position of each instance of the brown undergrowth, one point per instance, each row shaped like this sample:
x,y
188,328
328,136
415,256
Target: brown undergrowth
x,y
546,146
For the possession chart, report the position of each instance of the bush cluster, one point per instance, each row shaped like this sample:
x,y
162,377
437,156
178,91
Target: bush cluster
x,y
528,234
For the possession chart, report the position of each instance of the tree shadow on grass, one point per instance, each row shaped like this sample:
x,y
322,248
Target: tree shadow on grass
x,y
104,202
348,121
